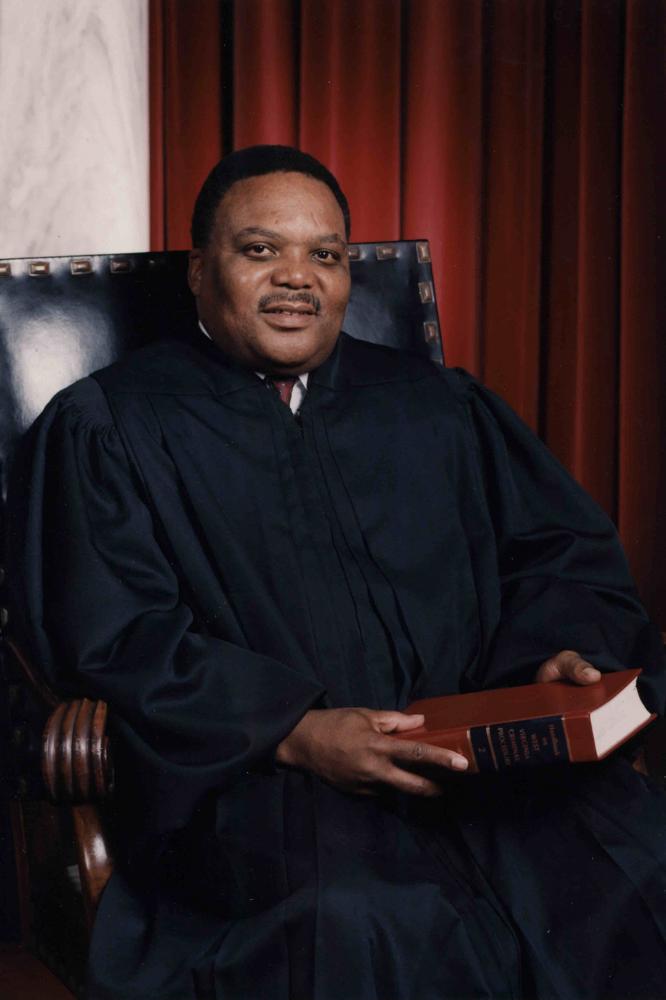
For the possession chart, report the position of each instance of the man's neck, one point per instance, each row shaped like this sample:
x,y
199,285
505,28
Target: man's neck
x,y
297,397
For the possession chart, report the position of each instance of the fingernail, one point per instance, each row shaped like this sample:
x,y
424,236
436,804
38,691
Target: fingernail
x,y
459,763
590,671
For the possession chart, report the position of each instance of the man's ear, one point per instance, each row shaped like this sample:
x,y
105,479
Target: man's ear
x,y
194,270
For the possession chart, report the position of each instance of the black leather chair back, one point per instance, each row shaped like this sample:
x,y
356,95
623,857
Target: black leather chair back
x,y
63,317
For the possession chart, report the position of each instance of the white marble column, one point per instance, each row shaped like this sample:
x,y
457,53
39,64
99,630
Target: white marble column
x,y
73,127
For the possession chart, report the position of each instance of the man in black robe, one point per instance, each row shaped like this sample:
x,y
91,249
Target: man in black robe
x,y
259,589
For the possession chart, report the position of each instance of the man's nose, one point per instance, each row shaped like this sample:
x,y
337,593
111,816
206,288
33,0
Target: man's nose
x,y
293,272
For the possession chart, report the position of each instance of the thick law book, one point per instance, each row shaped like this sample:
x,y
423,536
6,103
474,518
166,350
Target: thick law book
x,y
534,724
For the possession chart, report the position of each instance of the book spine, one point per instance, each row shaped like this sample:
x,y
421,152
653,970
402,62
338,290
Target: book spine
x,y
580,738
551,739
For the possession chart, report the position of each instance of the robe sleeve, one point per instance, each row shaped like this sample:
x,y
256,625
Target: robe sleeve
x,y
105,618
565,583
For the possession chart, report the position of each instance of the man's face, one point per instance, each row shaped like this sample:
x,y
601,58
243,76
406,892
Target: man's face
x,y
273,283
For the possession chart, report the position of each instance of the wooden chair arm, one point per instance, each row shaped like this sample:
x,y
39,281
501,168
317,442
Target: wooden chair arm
x,y
77,769
94,857
76,764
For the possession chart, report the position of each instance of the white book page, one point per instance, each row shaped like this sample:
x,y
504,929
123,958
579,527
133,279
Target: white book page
x,y
617,718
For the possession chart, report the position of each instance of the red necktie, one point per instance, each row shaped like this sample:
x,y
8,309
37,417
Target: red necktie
x,y
284,387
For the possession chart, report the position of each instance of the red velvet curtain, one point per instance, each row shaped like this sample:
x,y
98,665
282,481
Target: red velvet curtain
x,y
524,138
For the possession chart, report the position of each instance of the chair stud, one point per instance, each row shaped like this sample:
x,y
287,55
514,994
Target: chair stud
x,y
80,265
385,251
426,291
39,268
431,331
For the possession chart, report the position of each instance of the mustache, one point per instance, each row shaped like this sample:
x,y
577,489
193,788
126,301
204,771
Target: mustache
x,y
306,298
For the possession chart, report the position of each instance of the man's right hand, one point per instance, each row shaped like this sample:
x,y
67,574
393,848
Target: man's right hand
x,y
352,749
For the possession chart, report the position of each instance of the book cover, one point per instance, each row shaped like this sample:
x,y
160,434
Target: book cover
x,y
534,724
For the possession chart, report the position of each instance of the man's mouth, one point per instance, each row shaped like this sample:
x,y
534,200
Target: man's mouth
x,y
296,305
289,311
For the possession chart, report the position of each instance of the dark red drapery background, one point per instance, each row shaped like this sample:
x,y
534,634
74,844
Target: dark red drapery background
x,y
524,138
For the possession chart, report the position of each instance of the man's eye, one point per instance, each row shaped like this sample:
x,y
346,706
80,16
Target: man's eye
x,y
327,256
258,249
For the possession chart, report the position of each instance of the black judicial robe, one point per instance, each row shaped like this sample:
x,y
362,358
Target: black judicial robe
x,y
213,568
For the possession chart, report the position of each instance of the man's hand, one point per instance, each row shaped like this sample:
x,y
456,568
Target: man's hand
x,y
567,666
352,749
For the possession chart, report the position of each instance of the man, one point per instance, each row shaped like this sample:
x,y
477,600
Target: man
x,y
259,589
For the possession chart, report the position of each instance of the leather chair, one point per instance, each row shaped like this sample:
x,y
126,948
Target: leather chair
x,y
61,318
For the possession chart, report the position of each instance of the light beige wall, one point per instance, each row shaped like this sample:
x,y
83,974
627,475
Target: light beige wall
x,y
73,127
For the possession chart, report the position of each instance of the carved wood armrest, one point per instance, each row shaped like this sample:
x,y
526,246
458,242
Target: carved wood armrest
x,y
76,763
77,769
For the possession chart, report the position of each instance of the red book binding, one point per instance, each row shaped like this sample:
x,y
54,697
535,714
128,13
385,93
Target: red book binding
x,y
534,724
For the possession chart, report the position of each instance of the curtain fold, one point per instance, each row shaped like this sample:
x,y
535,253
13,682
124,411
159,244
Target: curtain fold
x,y
523,138
350,104
513,147
266,73
186,119
642,367
442,159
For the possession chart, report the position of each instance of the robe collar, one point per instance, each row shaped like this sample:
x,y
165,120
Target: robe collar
x,y
351,363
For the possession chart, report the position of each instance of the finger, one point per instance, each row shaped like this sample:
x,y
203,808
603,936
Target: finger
x,y
583,672
398,722
411,784
422,754
568,665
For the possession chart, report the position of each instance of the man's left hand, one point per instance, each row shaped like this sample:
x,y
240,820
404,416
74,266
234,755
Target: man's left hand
x,y
567,666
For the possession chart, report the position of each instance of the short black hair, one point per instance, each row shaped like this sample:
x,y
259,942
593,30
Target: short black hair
x,y
253,161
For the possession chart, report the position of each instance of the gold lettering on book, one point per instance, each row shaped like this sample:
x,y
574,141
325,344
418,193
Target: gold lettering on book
x,y
513,743
503,747
554,742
